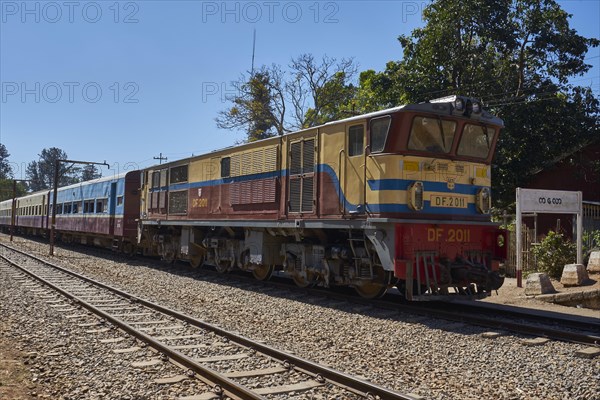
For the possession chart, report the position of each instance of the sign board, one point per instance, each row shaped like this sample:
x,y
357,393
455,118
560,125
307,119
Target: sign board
x,y
549,201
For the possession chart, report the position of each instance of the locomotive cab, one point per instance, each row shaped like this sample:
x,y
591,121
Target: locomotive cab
x,y
436,192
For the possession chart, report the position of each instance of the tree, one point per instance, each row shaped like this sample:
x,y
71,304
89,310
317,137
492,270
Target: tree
x,y
320,92
41,172
272,101
517,57
6,175
90,172
258,107
5,168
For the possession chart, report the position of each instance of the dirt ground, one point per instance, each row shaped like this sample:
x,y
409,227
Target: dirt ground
x,y
15,378
510,294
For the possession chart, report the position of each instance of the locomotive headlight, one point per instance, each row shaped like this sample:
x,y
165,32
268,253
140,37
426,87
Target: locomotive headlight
x,y
415,196
484,200
459,105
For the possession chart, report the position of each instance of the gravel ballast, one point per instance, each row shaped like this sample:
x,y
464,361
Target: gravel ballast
x,y
432,358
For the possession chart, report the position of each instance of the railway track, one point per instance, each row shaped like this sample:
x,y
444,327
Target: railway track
x,y
550,325
231,365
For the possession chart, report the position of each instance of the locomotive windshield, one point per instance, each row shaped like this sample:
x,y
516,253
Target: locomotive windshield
x,y
434,135
476,141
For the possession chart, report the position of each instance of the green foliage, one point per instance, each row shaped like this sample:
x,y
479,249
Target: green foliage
x,y
5,168
275,101
90,172
514,55
591,242
6,189
553,253
41,172
254,106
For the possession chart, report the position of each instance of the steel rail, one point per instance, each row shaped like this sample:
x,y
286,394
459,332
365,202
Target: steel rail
x,y
488,322
230,387
311,368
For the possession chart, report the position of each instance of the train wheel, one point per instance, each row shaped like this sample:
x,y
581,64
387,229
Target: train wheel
x,y
375,288
196,261
263,272
129,249
222,267
303,281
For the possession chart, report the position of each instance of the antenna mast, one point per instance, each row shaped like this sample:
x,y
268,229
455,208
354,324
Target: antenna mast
x,y
253,49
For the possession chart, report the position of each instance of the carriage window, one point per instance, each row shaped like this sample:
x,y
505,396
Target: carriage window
x,y
475,141
67,209
101,205
76,207
179,174
355,140
120,200
225,167
88,206
379,131
431,134
59,208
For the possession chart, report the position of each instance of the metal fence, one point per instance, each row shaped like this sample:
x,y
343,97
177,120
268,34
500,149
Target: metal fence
x,y
590,222
528,259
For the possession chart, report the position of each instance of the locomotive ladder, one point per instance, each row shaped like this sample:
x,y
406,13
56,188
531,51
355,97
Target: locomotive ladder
x,y
357,260
426,259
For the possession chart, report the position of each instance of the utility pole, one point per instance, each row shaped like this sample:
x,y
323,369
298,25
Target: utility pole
x,y
160,158
55,193
14,206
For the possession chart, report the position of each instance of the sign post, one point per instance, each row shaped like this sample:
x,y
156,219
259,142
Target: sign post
x,y
547,202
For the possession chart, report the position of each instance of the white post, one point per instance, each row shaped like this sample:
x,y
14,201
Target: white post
x,y
580,229
519,242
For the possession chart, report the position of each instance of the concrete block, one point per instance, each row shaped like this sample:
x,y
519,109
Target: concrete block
x,y
594,262
589,352
491,335
535,341
574,275
538,283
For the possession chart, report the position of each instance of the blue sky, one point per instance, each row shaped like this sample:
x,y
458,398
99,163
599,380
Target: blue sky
x,y
126,81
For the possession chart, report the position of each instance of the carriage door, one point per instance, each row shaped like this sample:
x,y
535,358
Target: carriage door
x,y
301,176
112,205
352,180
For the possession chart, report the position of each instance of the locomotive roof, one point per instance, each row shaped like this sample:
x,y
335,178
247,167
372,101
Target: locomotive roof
x,y
434,106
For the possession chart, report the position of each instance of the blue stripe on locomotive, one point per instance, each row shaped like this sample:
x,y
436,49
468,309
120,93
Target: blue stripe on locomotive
x,y
374,184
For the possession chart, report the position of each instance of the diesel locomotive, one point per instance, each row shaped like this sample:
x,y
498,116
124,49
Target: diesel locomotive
x,y
399,197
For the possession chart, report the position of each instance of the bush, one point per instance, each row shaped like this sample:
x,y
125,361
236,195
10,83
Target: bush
x,y
553,253
591,242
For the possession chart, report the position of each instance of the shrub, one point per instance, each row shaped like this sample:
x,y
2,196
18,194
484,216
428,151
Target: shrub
x,y
591,242
553,253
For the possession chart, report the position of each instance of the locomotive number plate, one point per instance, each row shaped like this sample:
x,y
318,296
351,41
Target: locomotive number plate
x,y
448,201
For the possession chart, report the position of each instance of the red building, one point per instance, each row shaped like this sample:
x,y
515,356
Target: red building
x,y
577,171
